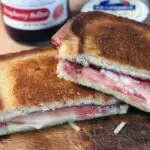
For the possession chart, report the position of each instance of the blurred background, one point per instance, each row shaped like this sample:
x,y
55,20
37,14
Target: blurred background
x,y
141,13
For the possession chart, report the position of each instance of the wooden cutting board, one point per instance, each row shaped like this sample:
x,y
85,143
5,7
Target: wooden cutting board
x,y
94,135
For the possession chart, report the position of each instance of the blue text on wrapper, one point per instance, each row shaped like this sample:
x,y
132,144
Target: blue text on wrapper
x,y
107,5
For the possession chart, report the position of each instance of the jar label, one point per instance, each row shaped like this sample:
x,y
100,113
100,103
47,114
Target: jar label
x,y
34,14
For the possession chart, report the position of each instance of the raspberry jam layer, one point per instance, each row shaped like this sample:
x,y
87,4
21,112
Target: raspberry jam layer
x,y
137,90
53,117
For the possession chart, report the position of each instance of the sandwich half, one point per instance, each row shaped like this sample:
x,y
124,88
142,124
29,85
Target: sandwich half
x,y
107,53
33,97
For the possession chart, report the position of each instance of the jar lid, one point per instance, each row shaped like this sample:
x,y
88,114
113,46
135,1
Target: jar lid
x,y
27,2
133,9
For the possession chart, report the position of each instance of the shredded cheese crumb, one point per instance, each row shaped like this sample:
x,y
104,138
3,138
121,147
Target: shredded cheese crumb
x,y
1,118
9,129
44,108
74,126
120,127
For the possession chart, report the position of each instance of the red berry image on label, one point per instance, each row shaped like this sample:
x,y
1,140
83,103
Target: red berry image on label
x,y
58,12
126,3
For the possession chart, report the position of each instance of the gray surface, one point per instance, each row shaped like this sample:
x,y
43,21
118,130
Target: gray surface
x,y
148,20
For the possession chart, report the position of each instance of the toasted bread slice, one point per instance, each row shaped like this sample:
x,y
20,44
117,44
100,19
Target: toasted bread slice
x,y
34,97
96,47
109,83
30,79
108,41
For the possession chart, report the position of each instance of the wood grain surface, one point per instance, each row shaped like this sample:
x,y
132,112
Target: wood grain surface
x,y
94,135
7,45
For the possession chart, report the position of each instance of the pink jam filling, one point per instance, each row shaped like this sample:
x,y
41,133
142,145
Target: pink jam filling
x,y
57,42
72,112
76,112
2,124
136,90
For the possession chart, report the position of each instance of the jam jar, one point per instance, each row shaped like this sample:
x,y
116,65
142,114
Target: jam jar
x,y
33,21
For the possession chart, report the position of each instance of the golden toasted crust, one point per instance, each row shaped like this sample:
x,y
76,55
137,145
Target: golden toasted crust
x,y
24,53
29,79
116,39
